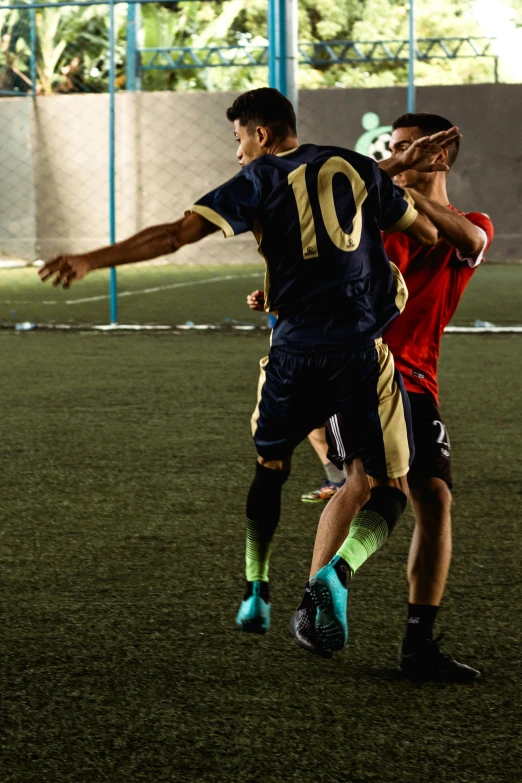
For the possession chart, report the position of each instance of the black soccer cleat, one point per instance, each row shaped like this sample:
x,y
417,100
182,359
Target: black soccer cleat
x,y
301,627
429,663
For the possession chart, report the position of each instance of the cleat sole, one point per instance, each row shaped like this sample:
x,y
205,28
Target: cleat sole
x,y
307,645
329,629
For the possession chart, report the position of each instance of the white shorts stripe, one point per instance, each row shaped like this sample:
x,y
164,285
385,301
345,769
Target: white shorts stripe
x,y
334,423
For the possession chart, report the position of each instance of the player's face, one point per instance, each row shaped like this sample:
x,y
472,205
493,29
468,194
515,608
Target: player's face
x,y
249,147
401,139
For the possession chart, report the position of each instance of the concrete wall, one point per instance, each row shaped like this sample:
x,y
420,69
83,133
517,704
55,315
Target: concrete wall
x,y
17,196
173,147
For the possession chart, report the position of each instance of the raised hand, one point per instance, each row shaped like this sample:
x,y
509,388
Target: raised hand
x,y
422,154
64,270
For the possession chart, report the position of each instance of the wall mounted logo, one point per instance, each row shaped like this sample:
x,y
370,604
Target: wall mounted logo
x,y
375,141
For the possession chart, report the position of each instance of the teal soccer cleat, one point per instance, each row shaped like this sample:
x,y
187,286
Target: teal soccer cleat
x,y
254,612
331,598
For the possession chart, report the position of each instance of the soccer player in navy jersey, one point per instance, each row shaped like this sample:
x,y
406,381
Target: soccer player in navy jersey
x,y
317,214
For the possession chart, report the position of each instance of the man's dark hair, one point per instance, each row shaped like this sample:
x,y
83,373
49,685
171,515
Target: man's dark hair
x,y
429,124
265,107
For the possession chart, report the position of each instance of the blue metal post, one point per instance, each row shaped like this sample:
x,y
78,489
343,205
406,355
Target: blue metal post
x,y
32,42
112,154
281,46
411,58
132,62
272,77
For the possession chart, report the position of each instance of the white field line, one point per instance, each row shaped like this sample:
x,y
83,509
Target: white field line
x,y
132,293
483,330
234,327
164,288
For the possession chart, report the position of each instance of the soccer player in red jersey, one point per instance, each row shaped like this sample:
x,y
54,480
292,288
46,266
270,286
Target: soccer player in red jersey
x,y
436,277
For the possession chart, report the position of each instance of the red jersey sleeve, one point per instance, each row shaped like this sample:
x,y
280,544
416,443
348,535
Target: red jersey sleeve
x,y
485,226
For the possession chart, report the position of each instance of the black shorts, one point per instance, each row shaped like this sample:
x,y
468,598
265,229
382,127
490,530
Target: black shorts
x,y
431,441
299,391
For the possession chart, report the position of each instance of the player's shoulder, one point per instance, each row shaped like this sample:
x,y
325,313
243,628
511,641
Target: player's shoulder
x,y
312,153
480,218
358,161
483,222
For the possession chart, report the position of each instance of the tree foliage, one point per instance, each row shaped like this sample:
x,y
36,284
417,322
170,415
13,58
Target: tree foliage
x,y
72,42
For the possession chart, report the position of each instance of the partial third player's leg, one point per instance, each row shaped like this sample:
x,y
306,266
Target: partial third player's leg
x,y
378,422
430,551
335,476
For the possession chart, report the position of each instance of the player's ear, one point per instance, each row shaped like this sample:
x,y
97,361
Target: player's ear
x,y
264,136
442,157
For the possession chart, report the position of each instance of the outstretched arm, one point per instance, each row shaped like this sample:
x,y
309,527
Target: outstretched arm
x,y
453,227
422,154
150,243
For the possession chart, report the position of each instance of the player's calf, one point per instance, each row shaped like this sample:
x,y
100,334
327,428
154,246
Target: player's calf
x,y
262,517
329,586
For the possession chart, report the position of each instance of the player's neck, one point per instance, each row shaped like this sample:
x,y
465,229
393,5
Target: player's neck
x,y
283,145
435,190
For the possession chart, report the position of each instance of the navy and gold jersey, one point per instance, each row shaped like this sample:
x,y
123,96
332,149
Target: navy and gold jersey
x,y
317,214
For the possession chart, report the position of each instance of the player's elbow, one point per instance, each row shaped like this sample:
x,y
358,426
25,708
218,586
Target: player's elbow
x,y
473,246
425,234
429,238
173,236
423,231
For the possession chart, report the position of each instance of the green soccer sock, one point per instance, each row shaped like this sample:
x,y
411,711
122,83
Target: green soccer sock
x,y
368,532
373,525
262,517
257,552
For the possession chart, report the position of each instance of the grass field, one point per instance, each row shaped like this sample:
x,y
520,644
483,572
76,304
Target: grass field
x,y
125,463
176,294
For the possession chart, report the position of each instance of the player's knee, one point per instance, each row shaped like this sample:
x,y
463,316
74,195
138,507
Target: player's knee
x,y
432,499
272,471
356,489
275,465
388,502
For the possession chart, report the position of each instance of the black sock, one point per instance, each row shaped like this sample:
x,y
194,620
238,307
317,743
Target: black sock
x,y
264,591
262,517
419,627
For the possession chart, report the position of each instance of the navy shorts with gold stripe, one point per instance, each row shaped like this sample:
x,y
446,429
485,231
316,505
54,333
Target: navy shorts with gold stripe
x,y
300,390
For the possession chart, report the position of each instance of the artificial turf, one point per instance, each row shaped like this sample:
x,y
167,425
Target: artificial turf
x,y
174,294
125,464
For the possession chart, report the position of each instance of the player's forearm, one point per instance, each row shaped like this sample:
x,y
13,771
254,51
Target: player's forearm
x,y
150,243
423,231
454,228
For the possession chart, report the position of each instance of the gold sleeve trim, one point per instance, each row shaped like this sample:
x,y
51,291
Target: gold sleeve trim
x,y
213,217
401,290
406,220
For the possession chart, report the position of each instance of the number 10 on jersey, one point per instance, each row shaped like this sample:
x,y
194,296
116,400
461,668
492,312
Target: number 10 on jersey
x,y
347,242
